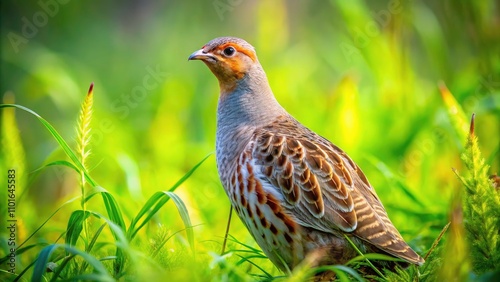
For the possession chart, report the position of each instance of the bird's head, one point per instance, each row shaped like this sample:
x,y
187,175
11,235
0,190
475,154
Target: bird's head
x,y
230,59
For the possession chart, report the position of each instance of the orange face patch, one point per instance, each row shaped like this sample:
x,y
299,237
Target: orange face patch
x,y
236,66
231,69
235,63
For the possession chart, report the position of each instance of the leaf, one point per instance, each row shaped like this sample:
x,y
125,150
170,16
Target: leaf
x,y
41,262
188,174
113,210
247,259
183,212
100,274
155,202
92,243
365,256
75,226
150,208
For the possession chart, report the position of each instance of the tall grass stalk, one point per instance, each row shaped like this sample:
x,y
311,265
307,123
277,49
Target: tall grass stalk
x,y
83,146
481,209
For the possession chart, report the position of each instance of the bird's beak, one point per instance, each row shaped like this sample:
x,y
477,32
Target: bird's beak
x,y
202,55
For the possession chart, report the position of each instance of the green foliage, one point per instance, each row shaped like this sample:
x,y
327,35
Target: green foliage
x,y
232,263
434,262
75,226
473,241
481,209
78,219
100,274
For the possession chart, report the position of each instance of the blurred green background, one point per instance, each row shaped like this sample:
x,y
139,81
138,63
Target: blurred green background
x,y
363,74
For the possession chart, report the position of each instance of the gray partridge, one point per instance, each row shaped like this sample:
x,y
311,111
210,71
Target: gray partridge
x,y
297,193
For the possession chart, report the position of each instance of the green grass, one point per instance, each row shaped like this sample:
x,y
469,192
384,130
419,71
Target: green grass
x,y
79,219
135,195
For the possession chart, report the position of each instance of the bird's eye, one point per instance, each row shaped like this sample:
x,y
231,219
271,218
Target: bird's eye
x,y
229,51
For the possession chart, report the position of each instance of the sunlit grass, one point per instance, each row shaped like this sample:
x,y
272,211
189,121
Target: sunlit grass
x,y
63,264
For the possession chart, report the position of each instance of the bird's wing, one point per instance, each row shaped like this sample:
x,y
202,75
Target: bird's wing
x,y
322,187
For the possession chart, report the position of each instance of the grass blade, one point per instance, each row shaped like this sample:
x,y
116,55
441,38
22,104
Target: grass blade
x,y
155,202
43,258
188,174
41,262
150,208
244,245
91,245
75,226
247,259
183,212
113,210
364,257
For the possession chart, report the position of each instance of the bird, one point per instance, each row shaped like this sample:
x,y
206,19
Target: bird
x,y
299,195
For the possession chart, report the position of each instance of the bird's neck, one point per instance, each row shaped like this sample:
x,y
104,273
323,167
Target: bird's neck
x,y
250,105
